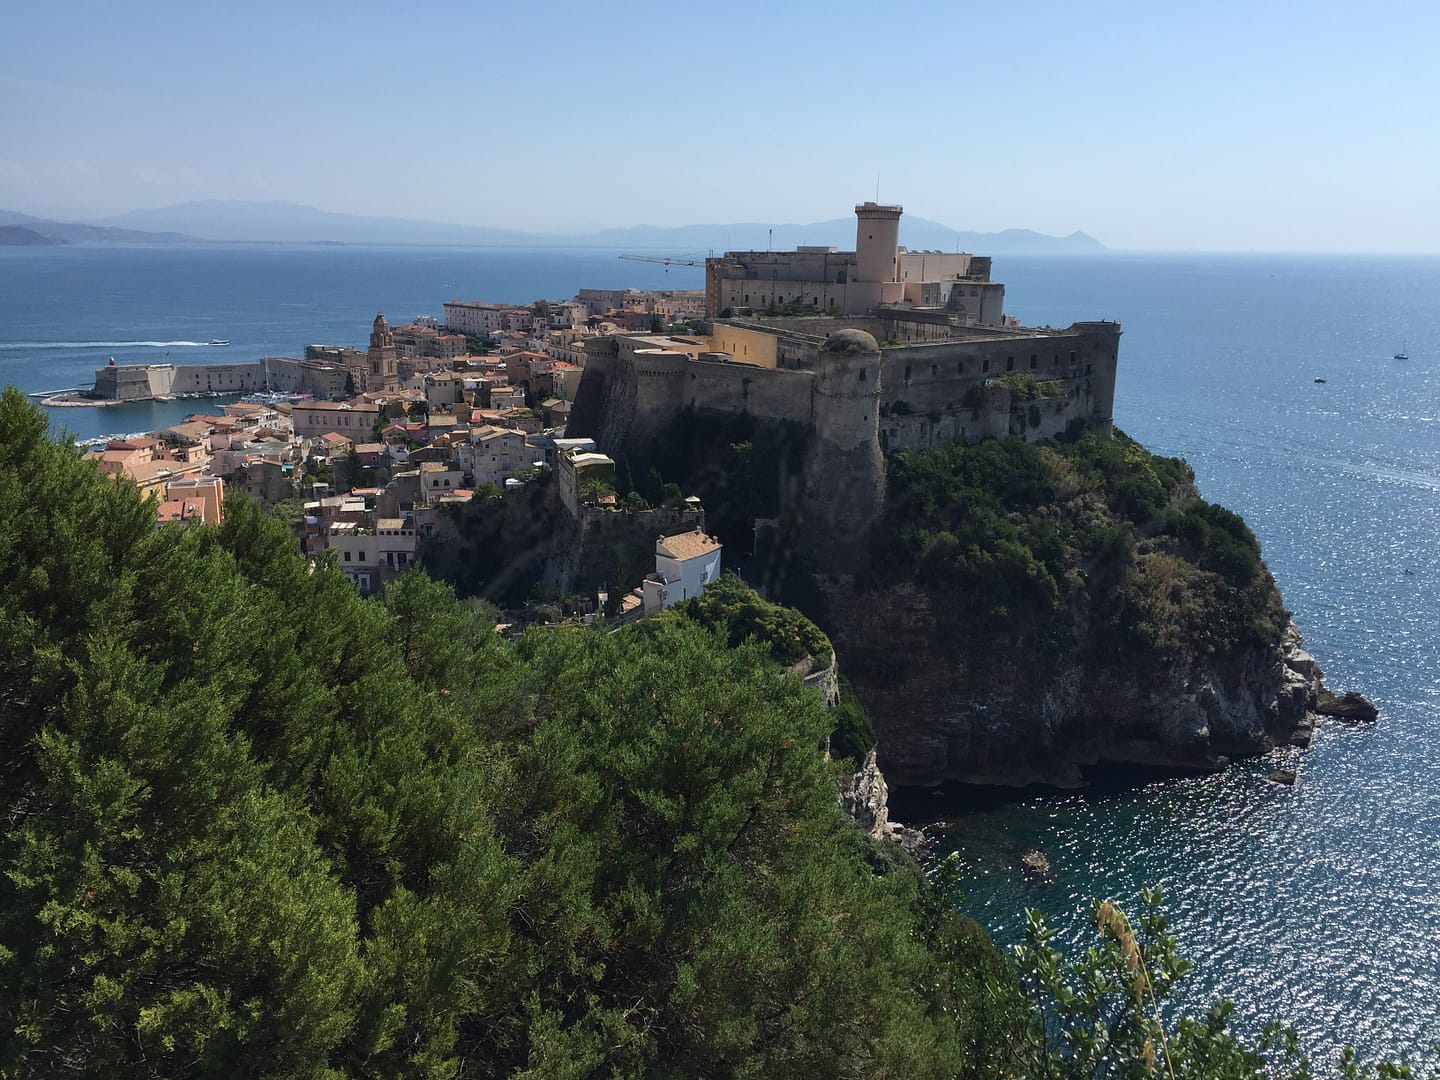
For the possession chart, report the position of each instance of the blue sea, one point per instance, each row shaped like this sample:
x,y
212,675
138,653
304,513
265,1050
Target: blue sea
x,y
1317,905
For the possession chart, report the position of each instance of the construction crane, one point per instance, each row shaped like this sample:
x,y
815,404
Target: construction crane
x,y
663,261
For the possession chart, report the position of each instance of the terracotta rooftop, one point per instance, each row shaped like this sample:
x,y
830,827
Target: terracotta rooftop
x,y
688,545
181,510
491,431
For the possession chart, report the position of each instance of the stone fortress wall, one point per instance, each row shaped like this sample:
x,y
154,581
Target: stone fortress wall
x,y
927,391
137,382
860,399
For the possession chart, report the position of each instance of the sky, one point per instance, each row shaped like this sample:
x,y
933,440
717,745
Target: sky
x,y
1152,126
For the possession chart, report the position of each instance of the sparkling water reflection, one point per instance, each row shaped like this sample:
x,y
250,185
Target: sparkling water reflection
x,y
1317,905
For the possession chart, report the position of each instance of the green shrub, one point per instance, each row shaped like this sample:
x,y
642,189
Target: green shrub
x,y
1024,386
739,611
1008,537
853,736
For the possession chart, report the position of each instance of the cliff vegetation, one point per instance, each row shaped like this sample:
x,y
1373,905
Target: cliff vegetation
x,y
1034,610
1012,539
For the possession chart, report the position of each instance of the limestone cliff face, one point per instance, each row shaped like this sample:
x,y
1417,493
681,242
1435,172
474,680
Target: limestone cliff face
x,y
1043,717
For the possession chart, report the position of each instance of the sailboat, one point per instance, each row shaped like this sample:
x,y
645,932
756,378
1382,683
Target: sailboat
x,y
1404,353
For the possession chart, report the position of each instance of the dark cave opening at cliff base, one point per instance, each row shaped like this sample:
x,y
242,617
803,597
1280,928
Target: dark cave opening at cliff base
x,y
919,806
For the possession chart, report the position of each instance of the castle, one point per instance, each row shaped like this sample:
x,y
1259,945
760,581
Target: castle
x,y
877,273
900,362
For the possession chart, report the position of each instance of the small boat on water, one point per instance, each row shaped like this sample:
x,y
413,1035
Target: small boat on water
x,y
1404,353
275,397
216,341
1319,380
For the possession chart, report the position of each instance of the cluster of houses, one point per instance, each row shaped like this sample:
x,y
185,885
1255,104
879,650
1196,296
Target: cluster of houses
x,y
434,423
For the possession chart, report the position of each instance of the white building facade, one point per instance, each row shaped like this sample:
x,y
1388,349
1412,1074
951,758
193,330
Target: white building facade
x,y
684,565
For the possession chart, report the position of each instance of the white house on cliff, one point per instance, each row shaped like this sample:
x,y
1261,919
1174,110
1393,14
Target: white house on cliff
x,y
684,564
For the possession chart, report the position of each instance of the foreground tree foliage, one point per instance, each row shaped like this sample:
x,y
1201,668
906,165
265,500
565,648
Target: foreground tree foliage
x,y
251,824
254,824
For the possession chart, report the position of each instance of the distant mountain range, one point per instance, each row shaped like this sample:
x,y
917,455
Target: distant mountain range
x,y
67,232
234,220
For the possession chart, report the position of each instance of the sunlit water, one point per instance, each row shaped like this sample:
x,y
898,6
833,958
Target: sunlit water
x,y
1318,905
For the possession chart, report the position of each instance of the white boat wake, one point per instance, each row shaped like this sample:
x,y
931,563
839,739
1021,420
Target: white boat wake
x,y
102,344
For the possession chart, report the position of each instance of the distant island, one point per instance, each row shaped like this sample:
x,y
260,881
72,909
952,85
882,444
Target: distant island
x,y
218,220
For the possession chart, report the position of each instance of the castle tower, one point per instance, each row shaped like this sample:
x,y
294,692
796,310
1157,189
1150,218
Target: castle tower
x,y
382,364
844,481
877,241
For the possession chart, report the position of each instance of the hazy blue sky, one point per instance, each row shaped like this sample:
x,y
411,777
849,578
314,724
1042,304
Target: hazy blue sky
x,y
1230,126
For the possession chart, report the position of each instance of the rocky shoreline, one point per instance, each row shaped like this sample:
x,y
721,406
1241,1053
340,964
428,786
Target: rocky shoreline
x,y
1215,720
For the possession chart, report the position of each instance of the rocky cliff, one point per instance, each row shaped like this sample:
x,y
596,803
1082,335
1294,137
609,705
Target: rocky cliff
x,y
1032,613
1036,718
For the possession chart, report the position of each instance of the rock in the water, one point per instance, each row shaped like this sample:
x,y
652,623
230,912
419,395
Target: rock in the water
x,y
1351,706
1282,776
1304,733
1034,864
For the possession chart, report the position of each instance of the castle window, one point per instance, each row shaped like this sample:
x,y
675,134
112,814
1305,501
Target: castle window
x,y
960,368
1009,363
907,373
1072,358
934,370
985,367
1033,360
862,375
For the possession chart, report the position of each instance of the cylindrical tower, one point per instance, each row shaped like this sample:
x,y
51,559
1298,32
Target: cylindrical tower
x,y
844,482
877,241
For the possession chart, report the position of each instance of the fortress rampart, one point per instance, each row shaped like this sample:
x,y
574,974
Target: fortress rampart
x,y
967,387
137,382
859,398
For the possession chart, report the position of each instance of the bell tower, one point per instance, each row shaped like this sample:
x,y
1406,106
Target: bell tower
x,y
381,362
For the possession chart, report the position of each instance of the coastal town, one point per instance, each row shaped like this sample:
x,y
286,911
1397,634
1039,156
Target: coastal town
x,y
373,445
375,454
